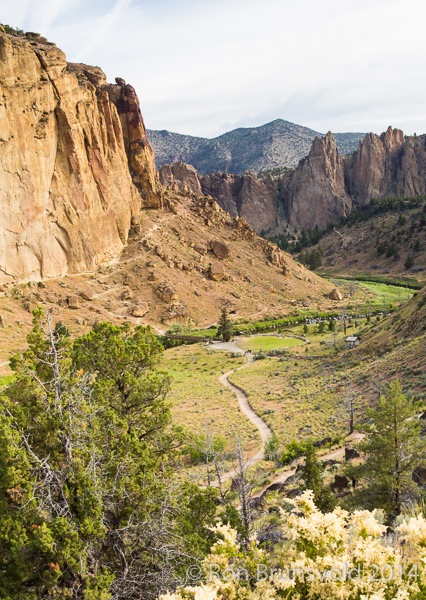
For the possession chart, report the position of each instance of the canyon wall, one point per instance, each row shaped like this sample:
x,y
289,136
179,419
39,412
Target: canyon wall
x,y
68,195
322,189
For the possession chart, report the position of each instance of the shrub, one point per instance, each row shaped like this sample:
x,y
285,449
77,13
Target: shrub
x,y
293,450
335,555
409,262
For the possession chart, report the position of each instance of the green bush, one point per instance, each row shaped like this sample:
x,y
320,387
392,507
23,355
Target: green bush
x,y
293,450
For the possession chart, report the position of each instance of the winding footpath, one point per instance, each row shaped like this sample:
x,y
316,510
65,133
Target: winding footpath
x,y
263,428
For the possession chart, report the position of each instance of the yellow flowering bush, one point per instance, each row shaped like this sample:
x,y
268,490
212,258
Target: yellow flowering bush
x,y
334,556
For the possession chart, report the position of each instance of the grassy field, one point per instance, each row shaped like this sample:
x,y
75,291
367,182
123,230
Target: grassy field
x,y
298,399
199,402
268,342
305,395
366,297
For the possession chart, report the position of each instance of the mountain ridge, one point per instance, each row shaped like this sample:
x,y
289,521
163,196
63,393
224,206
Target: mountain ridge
x,y
277,144
322,189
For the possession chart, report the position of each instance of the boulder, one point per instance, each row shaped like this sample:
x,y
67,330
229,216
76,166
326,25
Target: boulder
x,y
340,483
323,442
126,295
276,487
293,493
73,302
167,293
216,272
335,294
351,453
176,313
86,295
140,310
219,249
200,248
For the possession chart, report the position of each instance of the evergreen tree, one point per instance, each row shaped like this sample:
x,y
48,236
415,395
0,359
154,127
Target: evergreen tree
x,y
393,448
89,507
312,480
224,329
321,327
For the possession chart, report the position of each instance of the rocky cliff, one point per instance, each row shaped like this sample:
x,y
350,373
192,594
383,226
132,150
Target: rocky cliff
x,y
323,188
316,192
77,168
388,165
257,201
67,194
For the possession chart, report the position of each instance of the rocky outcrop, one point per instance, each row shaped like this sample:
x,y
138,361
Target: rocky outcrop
x,y
181,177
67,197
322,189
389,165
316,194
247,196
139,152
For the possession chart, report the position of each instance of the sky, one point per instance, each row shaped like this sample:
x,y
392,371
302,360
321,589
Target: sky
x,y
204,67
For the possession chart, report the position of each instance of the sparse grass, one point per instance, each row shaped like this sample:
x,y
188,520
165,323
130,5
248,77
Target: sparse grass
x,y
199,402
298,399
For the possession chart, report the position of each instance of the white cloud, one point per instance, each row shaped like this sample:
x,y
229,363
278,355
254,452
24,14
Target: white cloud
x,y
202,68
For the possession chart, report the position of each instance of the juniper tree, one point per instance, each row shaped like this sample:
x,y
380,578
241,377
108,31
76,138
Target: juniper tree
x,y
311,474
224,329
393,447
89,505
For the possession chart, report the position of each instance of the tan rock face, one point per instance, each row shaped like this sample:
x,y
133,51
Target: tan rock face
x,y
316,193
389,165
67,195
183,175
240,195
139,152
245,196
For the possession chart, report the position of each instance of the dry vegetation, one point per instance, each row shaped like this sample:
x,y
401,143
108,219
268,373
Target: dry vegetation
x,y
356,249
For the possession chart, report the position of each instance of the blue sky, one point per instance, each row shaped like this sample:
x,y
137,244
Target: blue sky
x,y
205,67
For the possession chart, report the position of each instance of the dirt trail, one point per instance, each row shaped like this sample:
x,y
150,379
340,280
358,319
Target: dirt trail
x,y
264,430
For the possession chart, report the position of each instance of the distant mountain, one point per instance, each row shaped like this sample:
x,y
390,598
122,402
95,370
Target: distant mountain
x,y
275,145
